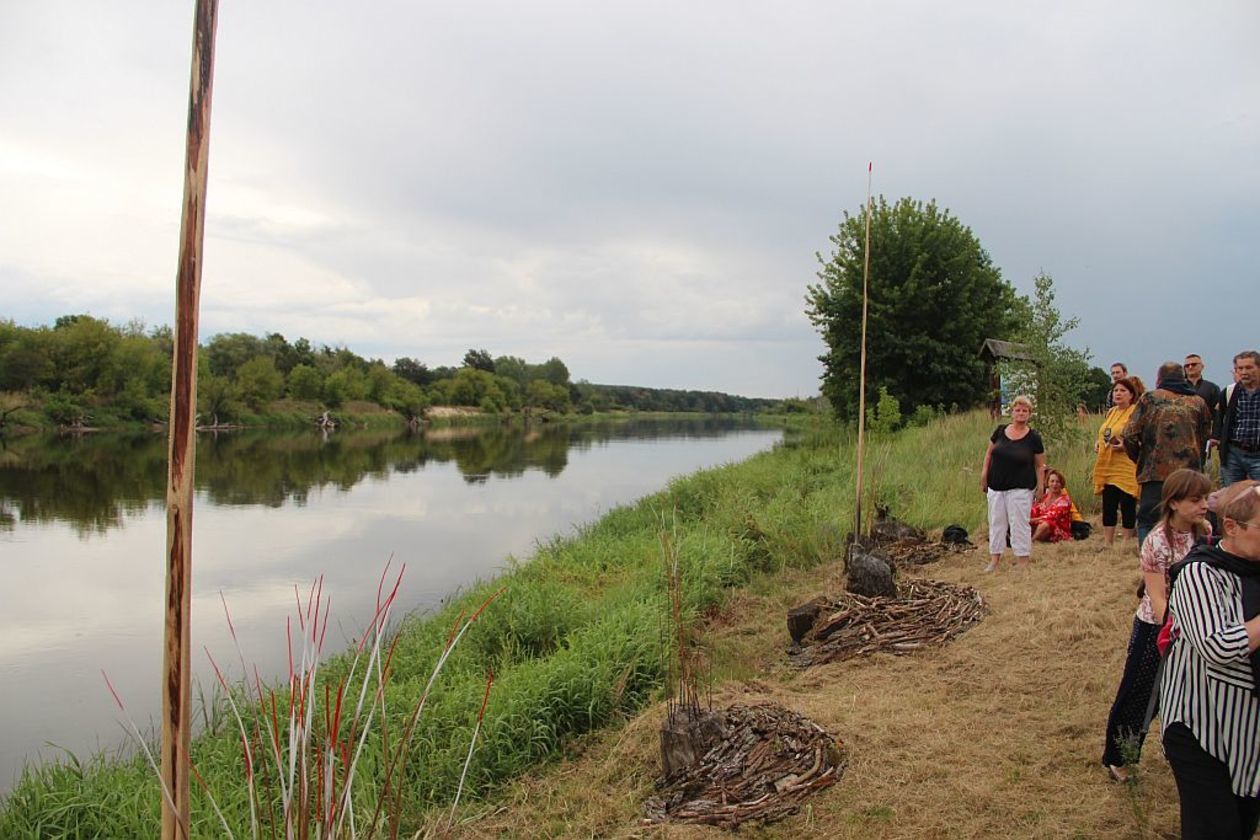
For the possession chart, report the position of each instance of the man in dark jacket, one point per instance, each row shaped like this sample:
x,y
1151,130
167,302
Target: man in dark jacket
x,y
1237,431
1205,388
1169,429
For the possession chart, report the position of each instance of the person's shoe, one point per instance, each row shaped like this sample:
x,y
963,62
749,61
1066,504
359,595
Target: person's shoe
x,y
1117,774
989,569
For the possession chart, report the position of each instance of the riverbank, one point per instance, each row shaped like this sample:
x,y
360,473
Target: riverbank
x,y
576,641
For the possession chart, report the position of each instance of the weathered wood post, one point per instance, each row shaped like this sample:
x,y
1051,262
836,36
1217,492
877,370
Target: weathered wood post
x,y
176,702
861,442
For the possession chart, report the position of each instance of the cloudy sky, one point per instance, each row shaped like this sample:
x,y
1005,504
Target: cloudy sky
x,y
639,188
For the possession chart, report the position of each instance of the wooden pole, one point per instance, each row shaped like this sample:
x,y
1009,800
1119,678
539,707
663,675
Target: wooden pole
x,y
861,441
176,702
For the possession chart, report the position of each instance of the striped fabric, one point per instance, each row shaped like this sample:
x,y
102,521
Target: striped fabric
x,y
1206,683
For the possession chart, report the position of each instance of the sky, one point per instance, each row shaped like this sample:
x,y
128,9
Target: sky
x,y
641,188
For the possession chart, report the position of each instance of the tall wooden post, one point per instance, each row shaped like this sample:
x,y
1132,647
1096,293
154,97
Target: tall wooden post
x,y
176,702
861,439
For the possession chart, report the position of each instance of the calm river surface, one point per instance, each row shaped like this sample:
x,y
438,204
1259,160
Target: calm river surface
x,y
83,535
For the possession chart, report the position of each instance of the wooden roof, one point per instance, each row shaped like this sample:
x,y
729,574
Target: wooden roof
x,y
995,349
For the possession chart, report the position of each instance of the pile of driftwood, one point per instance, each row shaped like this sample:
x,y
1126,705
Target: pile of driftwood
x,y
919,552
767,762
926,612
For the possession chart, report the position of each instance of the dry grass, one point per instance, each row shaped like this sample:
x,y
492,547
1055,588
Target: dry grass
x,y
998,734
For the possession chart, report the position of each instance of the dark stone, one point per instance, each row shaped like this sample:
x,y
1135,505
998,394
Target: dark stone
x,y
870,572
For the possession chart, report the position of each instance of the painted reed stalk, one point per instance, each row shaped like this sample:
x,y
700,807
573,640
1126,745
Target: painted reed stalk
x,y
305,759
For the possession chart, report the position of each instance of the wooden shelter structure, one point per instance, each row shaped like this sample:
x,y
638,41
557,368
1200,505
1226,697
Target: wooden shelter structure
x,y
994,351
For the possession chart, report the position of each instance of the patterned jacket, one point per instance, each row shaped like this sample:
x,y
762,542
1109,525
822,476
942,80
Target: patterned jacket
x,y
1167,431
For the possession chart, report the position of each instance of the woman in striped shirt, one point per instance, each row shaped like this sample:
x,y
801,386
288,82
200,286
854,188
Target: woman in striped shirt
x,y
1184,504
1210,689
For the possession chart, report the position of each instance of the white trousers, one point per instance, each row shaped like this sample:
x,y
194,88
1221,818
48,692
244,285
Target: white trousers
x,y
1009,511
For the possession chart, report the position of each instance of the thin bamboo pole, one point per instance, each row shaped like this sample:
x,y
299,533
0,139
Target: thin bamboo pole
x,y
176,700
861,440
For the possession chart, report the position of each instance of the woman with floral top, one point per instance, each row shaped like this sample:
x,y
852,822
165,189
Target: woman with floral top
x,y
1184,506
1051,516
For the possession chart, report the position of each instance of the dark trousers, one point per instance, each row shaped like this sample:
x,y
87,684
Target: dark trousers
x,y
1148,508
1209,808
1128,712
1112,498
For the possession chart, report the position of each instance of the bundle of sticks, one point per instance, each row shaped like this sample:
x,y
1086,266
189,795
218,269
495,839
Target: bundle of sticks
x,y
770,760
928,612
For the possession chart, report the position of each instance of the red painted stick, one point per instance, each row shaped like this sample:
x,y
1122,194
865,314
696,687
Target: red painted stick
x,y
176,700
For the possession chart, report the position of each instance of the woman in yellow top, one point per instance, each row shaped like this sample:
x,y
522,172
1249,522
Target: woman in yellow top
x,y
1115,474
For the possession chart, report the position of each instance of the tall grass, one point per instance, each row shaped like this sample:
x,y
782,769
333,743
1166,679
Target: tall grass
x,y
574,642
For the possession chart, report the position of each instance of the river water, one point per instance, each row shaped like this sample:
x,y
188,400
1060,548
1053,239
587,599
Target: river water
x,y
83,535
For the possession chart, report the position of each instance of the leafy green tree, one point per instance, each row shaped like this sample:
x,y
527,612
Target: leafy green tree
x,y
258,381
935,296
884,417
554,371
412,370
345,385
81,347
226,352
542,394
514,368
305,383
216,398
476,387
479,360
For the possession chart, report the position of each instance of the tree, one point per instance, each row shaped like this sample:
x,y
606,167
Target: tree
x,y
226,352
479,360
258,381
935,296
305,383
1061,381
412,370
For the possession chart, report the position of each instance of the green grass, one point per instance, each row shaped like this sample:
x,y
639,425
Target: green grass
x,y
577,641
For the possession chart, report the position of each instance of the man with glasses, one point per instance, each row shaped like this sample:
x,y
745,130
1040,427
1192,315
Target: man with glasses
x,y
1118,371
1237,430
1210,391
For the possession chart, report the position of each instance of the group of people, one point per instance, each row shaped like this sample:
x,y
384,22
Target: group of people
x,y
1194,651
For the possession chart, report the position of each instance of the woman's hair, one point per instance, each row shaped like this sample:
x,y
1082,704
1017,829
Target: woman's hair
x,y
1062,479
1183,484
1022,400
1137,383
1129,385
1241,502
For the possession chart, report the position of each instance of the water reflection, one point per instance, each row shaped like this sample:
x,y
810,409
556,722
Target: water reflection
x,y
94,482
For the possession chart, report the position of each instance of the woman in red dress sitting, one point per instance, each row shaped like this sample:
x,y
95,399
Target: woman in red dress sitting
x,y
1052,514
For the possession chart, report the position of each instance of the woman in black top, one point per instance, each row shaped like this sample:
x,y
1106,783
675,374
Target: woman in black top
x,y
1013,475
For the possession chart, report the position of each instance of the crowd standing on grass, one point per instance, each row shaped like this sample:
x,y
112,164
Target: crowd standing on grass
x,y
1194,649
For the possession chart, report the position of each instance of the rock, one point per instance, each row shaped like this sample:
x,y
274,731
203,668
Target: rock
x,y
869,572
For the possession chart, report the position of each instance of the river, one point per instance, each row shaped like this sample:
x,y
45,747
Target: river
x,y
83,534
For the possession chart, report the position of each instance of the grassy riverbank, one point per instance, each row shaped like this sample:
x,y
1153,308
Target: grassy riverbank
x,y
576,640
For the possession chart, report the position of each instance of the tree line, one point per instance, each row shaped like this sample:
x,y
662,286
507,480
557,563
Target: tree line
x,y
84,370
